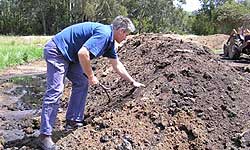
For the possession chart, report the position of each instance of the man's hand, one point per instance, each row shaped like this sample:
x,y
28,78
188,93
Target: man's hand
x,y
137,84
93,80
120,69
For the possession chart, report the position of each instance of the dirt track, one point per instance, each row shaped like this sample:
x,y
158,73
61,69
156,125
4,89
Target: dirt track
x,y
193,99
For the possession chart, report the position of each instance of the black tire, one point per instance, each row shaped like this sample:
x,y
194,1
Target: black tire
x,y
233,52
225,50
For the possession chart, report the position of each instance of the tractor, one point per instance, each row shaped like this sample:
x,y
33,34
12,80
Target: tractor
x,y
238,43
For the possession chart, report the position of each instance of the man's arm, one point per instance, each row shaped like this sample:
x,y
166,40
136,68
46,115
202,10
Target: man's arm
x,y
84,59
121,70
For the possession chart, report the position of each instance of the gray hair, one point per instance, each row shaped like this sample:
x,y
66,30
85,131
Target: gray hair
x,y
124,23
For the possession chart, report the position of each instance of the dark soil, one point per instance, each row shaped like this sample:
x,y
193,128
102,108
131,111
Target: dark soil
x,y
192,100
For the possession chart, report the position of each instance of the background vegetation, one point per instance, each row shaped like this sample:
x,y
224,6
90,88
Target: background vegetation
x,y
47,17
19,49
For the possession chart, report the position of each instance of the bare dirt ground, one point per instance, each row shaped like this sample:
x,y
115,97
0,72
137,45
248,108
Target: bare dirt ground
x,y
193,99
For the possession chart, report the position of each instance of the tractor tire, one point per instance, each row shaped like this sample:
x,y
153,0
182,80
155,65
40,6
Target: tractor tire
x,y
233,52
225,50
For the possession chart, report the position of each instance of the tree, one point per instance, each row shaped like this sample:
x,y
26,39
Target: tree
x,y
230,15
205,18
155,15
51,16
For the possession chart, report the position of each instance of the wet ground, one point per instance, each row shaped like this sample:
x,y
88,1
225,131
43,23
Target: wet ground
x,y
193,99
20,103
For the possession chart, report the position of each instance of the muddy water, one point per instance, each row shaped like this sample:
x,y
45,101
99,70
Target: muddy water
x,y
20,106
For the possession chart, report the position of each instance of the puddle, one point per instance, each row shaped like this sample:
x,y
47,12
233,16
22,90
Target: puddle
x,y
20,106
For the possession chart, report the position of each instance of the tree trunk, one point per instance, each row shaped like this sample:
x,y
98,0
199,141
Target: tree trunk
x,y
41,10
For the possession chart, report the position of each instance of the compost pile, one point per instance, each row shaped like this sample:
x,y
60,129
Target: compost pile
x,y
192,100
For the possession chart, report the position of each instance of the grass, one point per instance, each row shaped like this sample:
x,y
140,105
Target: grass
x,y
217,51
16,50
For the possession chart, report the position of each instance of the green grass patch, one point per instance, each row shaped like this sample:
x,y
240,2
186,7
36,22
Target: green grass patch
x,y
16,50
217,51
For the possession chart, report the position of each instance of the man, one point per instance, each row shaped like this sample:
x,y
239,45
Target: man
x,y
68,54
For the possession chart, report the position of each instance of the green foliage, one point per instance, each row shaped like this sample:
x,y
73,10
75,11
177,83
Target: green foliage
x,y
18,50
29,17
232,14
12,55
220,16
89,10
107,10
156,16
25,17
203,25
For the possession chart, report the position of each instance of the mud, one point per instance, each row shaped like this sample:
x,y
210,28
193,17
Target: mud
x,y
193,99
20,102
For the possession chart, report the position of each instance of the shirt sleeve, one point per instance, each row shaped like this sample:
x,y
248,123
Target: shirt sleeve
x,y
111,53
96,43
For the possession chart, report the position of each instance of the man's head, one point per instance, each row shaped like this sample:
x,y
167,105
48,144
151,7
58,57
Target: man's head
x,y
122,27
